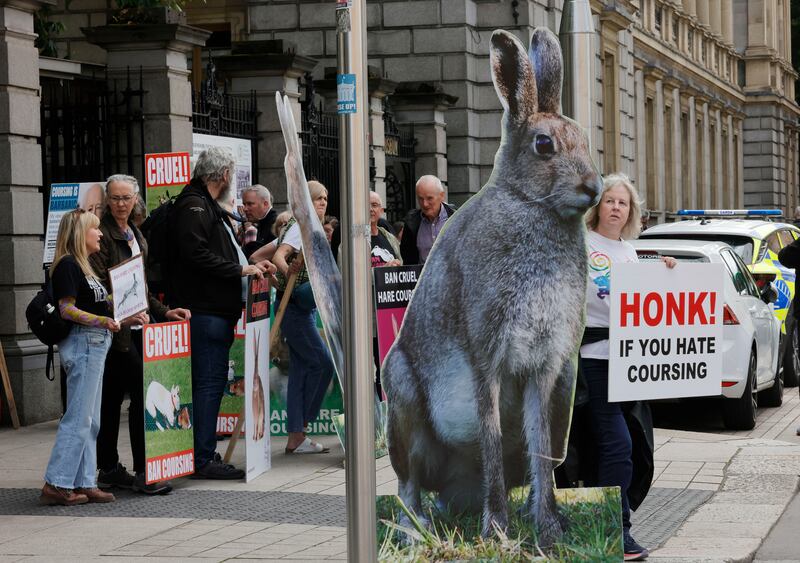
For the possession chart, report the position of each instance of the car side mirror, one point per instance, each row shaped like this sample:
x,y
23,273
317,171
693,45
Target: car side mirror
x,y
769,294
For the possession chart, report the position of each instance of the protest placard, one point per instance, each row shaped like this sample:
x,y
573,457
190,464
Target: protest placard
x,y
257,435
169,438
165,176
242,153
64,198
393,288
128,288
665,331
233,397
332,403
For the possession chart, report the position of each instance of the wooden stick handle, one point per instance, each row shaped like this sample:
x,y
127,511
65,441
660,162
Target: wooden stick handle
x,y
12,405
287,294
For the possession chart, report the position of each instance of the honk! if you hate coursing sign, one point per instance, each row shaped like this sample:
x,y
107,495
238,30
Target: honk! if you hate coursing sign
x,y
665,334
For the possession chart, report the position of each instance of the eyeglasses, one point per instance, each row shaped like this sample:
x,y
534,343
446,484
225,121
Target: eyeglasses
x,y
121,198
374,205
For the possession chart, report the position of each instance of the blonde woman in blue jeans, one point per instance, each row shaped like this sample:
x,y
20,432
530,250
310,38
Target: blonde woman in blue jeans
x,y
82,300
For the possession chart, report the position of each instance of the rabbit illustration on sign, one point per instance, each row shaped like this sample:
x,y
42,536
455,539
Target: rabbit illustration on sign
x,y
161,400
259,409
481,378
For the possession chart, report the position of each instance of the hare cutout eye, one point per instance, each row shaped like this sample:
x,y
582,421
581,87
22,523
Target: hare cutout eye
x,y
543,145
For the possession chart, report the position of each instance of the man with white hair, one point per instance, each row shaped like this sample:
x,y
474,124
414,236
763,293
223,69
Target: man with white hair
x,y
207,275
422,225
257,206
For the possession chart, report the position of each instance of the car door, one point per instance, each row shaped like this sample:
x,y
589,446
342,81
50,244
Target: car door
x,y
760,313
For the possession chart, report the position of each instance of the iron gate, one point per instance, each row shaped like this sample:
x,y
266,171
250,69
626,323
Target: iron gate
x,y
91,128
216,112
400,160
319,137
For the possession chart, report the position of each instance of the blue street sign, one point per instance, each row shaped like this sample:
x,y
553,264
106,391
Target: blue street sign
x,y
346,93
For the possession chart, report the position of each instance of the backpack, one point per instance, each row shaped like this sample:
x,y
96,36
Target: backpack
x,y
156,231
45,322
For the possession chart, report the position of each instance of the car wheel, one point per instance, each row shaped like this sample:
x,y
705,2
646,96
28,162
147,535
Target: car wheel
x,y
772,397
740,414
791,358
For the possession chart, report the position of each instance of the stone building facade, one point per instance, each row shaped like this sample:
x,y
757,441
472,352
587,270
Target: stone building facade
x,y
694,100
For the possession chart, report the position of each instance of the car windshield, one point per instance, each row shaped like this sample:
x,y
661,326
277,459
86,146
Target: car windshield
x,y
743,246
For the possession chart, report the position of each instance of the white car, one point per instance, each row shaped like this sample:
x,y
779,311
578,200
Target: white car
x,y
751,333
757,240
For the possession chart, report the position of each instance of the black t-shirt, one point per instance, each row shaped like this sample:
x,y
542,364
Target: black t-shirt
x,y
70,281
382,252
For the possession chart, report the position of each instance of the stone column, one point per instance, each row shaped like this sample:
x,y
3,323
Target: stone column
x,y
702,12
677,152
727,22
740,160
21,225
715,16
706,187
641,139
692,153
720,188
267,67
425,109
660,192
690,7
731,188
161,50
379,89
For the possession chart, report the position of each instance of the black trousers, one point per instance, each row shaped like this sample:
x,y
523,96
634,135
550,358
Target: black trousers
x,y
123,374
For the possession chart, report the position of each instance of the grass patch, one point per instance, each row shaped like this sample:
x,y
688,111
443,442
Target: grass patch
x,y
593,533
175,371
159,443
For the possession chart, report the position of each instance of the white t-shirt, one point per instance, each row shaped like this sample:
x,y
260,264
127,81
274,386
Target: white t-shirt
x,y
292,237
603,252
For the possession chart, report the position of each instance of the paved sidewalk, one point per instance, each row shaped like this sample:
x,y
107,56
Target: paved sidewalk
x,y
715,497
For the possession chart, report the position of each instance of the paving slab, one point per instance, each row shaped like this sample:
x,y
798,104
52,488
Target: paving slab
x,y
715,549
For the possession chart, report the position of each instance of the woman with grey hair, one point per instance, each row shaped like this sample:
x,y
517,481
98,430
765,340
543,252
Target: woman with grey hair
x,y
122,375
615,218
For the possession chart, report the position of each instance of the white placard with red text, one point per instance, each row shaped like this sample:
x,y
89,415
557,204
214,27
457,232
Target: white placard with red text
x,y
665,331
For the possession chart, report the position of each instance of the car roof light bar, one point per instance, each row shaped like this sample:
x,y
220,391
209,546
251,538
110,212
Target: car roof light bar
x,y
730,212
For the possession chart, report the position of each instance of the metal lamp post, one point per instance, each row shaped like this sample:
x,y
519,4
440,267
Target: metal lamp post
x,y
353,112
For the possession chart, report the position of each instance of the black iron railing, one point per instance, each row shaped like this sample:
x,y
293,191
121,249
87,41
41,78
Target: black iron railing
x,y
399,148
319,137
92,127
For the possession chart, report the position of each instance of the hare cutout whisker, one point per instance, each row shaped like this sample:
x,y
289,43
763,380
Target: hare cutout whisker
x,y
481,377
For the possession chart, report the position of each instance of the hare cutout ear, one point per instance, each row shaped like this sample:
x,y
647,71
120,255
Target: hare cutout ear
x,y
513,77
545,54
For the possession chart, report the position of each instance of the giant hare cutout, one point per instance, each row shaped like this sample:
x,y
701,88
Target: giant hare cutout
x,y
481,378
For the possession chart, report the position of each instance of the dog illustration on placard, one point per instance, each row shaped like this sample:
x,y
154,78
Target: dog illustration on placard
x,y
259,410
160,400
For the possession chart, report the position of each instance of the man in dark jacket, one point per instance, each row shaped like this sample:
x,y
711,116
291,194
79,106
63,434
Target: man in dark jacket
x,y
207,276
422,225
257,207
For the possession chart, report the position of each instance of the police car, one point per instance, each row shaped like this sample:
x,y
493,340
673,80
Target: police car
x,y
757,240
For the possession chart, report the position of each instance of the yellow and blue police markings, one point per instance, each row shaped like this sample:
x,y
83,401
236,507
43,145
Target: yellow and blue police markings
x,y
783,283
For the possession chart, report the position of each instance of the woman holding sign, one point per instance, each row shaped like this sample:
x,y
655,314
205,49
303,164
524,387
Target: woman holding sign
x,y
310,363
123,368
82,301
615,218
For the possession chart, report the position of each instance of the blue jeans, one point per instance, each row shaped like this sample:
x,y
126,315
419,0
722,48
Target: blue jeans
x,y
73,461
310,367
614,446
212,337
